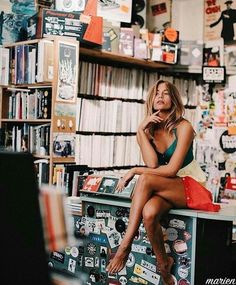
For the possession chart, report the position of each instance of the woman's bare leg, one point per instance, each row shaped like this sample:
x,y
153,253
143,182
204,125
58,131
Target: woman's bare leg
x,y
152,213
171,189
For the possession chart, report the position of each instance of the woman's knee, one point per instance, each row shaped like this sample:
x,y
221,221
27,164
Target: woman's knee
x,y
150,215
146,179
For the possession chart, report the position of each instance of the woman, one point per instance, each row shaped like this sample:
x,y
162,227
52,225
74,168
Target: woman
x,y
166,143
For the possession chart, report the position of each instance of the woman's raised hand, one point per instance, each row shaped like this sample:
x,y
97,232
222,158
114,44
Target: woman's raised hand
x,y
154,118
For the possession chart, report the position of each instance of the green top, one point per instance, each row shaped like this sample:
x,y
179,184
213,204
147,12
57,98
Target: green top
x,y
164,158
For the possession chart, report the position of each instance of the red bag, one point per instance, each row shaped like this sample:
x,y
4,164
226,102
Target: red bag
x,y
197,196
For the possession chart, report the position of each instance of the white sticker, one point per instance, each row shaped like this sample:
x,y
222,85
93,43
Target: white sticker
x,y
131,260
139,248
176,223
96,261
183,272
123,271
71,265
172,234
111,222
146,274
89,261
114,238
123,280
149,265
74,251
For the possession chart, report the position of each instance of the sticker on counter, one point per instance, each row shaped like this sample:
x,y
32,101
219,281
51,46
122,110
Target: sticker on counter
x,y
89,261
98,238
176,223
180,247
146,239
67,250
103,213
187,235
114,238
100,224
139,248
183,282
184,261
71,265
172,234
123,280
182,272
80,260
131,260
96,261
103,265
123,271
148,265
74,251
146,274
103,251
138,280
91,248
58,256
111,222
167,248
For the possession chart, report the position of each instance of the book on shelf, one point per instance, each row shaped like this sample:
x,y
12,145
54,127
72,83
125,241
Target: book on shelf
x,y
45,61
4,66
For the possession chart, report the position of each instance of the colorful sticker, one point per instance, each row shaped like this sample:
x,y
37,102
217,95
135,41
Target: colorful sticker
x,y
180,247
139,248
146,274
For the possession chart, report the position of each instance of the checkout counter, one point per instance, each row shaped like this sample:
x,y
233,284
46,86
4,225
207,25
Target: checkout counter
x,y
200,242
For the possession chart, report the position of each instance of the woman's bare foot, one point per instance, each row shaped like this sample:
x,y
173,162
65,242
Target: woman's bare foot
x,y
165,269
118,262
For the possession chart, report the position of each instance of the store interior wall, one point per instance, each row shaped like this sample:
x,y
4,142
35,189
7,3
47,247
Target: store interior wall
x,y
187,18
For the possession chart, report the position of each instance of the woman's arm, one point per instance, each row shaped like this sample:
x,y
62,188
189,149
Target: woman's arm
x,y
144,140
185,134
148,153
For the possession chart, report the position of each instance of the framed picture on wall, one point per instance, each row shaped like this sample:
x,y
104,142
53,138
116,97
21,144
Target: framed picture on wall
x,y
67,73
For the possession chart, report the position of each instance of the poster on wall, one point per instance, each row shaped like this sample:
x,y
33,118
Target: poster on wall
x,y
67,72
116,10
13,15
220,20
158,15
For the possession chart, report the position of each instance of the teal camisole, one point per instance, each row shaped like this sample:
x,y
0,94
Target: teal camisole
x,y
164,158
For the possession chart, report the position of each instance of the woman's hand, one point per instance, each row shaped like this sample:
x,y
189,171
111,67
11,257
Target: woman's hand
x,y
149,120
124,181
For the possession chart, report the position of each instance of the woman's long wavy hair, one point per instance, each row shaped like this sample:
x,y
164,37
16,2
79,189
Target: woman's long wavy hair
x,y
177,107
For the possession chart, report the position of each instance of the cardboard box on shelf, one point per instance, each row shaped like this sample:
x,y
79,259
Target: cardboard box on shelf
x,y
85,28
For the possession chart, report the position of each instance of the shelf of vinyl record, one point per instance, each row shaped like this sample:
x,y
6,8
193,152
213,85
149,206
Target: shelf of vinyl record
x,y
111,106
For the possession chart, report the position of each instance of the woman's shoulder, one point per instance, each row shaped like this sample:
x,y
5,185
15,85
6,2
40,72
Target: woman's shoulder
x,y
184,126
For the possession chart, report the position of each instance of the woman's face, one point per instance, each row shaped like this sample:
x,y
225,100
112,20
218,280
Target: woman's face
x,y
162,100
